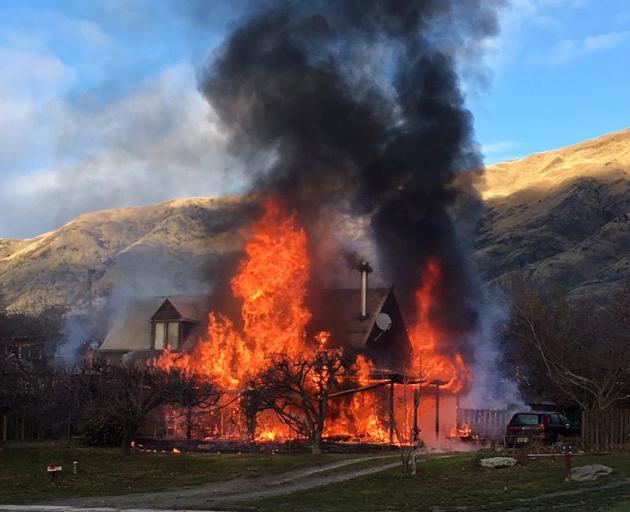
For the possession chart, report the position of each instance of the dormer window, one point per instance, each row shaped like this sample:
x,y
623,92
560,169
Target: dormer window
x,y
172,324
166,334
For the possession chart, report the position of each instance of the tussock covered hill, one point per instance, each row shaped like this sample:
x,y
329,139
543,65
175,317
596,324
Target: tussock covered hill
x,y
560,218
150,250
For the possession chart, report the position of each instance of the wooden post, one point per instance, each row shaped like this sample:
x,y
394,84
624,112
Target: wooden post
x,y
5,427
392,419
458,423
416,405
437,412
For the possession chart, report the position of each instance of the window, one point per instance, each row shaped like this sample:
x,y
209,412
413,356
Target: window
x,y
524,420
172,335
166,335
554,419
158,341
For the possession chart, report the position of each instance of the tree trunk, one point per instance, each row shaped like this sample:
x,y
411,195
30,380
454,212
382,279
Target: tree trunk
x,y
189,424
69,431
251,427
129,432
316,448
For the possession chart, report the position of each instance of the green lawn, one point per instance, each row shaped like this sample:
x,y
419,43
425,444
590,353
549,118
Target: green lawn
x,y
23,476
456,484
445,484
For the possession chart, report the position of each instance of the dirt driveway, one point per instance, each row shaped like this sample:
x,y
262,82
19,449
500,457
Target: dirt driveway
x,y
218,494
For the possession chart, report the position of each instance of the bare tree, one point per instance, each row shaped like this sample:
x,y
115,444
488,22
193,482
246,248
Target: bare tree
x,y
64,401
252,403
298,390
27,338
128,394
577,350
196,394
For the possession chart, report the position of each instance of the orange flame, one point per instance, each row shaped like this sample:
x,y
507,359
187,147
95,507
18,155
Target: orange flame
x,y
272,285
462,432
426,337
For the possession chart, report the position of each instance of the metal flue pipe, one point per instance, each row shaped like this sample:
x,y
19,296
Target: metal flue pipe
x,y
365,269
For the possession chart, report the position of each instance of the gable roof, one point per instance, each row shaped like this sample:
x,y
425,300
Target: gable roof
x,y
338,312
132,327
180,307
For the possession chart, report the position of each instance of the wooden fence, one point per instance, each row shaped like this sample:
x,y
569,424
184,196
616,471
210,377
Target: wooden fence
x,y
15,428
607,430
486,423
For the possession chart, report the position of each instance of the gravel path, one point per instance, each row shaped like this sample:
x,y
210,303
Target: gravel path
x,y
218,494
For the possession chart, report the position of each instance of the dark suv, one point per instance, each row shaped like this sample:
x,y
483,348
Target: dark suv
x,y
543,426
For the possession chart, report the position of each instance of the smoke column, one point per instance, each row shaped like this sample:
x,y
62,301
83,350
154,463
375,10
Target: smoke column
x,y
357,106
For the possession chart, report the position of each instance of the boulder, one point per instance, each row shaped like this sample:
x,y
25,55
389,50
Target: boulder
x,y
497,462
590,472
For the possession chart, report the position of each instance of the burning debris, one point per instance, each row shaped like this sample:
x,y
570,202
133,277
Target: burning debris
x,y
463,432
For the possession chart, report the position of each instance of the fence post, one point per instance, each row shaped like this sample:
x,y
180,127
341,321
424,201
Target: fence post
x,y
5,428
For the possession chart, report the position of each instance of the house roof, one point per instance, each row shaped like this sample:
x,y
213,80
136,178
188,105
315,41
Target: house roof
x,y
334,310
186,307
132,328
338,311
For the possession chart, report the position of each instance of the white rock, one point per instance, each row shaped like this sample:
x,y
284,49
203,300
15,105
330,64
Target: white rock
x,y
590,472
498,462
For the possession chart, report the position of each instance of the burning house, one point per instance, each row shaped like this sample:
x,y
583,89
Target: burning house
x,y
342,110
270,310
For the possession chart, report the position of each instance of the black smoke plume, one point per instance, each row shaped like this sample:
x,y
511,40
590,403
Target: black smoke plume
x,y
356,105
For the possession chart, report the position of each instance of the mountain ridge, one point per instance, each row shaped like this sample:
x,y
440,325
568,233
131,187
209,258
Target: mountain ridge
x,y
121,244
559,218
604,157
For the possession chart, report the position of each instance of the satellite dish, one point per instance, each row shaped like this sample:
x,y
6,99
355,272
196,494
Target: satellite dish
x,y
383,321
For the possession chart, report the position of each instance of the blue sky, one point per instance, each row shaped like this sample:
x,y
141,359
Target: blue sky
x,y
559,73
100,107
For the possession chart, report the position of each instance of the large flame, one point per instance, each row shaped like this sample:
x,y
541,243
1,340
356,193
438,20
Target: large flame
x,y
427,361
272,283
